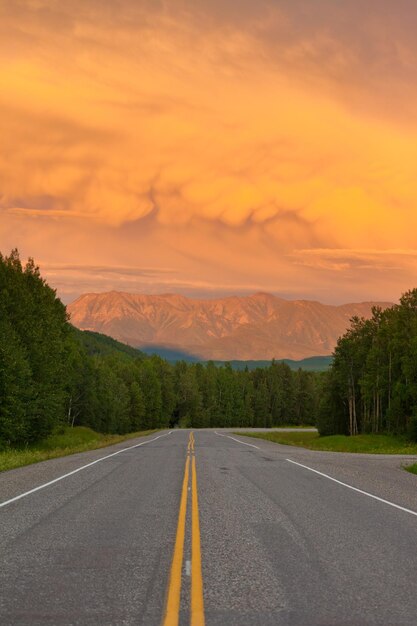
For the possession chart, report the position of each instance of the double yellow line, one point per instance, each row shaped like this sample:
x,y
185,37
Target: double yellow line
x,y
172,610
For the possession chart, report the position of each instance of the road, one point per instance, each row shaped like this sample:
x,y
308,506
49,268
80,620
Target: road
x,y
209,528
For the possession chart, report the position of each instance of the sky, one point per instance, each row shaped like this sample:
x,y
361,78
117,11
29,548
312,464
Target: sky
x,y
211,147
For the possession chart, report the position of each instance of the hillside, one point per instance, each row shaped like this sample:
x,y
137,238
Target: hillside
x,y
97,344
256,327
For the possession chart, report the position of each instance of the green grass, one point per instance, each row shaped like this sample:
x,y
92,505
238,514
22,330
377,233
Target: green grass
x,y
68,441
411,468
286,427
297,426
371,444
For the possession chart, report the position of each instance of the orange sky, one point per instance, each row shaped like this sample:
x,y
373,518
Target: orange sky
x,y
211,147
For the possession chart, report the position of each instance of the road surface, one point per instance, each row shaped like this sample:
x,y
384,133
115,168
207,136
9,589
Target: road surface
x,y
209,528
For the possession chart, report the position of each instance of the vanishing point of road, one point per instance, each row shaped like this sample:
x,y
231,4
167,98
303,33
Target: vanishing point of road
x,y
209,528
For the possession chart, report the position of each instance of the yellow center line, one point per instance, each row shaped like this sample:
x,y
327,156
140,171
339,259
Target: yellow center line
x,y
174,589
197,600
172,609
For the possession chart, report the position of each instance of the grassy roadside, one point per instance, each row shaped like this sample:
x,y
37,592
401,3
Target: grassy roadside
x,y
296,426
371,444
69,441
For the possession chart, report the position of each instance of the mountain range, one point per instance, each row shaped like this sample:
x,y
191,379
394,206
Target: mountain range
x,y
260,326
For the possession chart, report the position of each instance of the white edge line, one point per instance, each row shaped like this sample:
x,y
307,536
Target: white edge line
x,y
238,440
365,493
79,469
243,442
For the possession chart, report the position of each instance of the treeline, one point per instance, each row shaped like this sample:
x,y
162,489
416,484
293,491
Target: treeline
x,y
115,394
52,374
372,384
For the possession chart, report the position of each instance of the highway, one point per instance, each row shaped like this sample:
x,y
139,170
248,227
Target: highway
x,y
209,528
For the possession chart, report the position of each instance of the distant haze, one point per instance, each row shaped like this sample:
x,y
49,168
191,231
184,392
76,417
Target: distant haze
x,y
260,326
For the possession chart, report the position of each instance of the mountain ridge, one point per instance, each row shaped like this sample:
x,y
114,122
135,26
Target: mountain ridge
x,y
260,326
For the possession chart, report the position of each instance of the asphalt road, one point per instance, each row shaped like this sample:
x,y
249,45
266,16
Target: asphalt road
x,y
278,542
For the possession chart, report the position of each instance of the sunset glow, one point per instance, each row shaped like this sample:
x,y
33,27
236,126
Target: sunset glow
x,y
211,148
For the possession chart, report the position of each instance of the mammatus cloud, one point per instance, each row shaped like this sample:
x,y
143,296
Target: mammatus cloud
x,y
216,141
218,260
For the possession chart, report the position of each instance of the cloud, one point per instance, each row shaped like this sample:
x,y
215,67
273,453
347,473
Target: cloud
x,y
215,140
73,280
343,260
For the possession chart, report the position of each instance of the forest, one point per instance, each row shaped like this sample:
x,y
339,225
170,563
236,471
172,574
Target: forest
x,y
372,384
52,374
